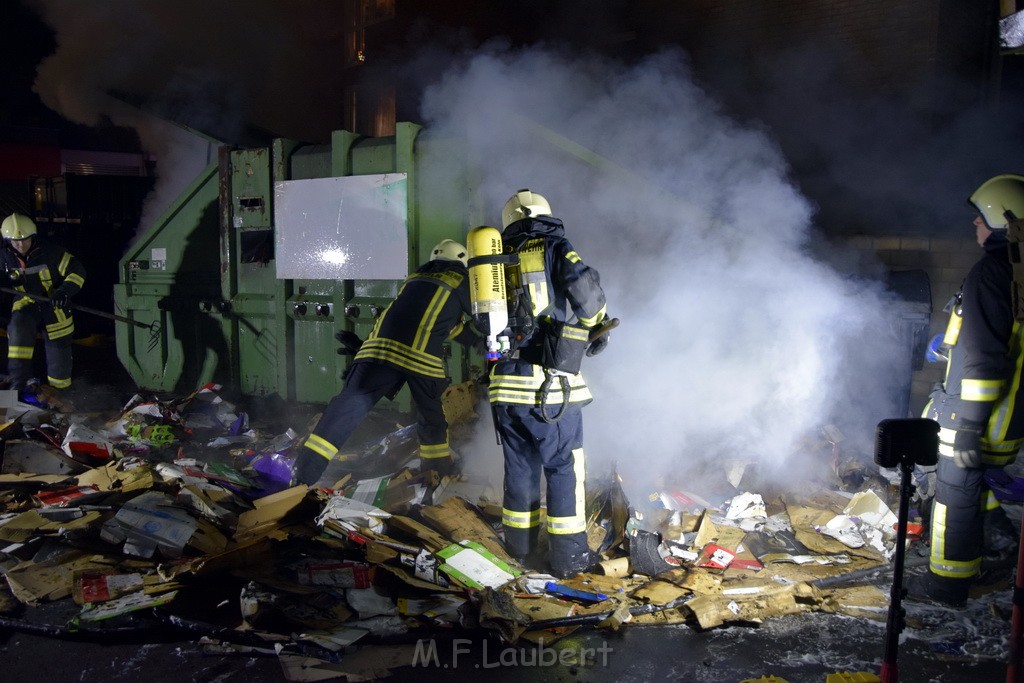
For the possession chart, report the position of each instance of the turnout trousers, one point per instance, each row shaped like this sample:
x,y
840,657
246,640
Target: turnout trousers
x,y
533,447
21,344
957,525
365,385
965,513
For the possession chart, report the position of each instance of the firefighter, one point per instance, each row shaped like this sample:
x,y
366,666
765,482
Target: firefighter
x,y
537,408
980,404
404,347
36,266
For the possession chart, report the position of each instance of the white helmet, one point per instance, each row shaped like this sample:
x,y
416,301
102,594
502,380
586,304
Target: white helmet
x,y
1000,200
449,250
524,204
18,227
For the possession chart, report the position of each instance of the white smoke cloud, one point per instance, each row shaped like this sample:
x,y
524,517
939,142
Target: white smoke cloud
x,y
735,343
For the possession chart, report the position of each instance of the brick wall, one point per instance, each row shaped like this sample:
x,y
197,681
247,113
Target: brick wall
x,y
946,261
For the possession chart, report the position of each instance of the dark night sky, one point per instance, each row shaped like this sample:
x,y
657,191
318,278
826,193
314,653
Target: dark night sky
x,y
28,41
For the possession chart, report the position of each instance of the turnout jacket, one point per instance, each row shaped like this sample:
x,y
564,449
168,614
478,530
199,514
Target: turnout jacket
x,y
428,311
983,377
561,289
44,269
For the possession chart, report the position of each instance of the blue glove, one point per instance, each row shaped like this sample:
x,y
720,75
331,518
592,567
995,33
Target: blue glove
x,y
936,352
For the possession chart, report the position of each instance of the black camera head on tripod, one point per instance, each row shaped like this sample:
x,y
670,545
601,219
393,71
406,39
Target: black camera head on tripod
x,y
907,441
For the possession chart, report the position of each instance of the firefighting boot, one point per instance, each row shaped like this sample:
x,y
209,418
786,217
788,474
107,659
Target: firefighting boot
x,y
586,562
532,561
1001,539
570,555
938,590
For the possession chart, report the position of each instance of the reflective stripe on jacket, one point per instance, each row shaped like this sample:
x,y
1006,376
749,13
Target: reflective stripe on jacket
x,y
983,378
41,271
428,311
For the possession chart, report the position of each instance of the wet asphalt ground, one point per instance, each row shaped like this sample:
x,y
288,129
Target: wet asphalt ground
x,y
940,646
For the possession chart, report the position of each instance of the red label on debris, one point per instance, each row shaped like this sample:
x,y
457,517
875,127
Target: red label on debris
x,y
94,588
89,449
100,587
64,496
715,556
914,530
746,563
357,538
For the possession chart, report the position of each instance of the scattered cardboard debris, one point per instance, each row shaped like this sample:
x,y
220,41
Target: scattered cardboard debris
x,y
751,603
33,582
459,522
325,568
272,511
473,566
865,602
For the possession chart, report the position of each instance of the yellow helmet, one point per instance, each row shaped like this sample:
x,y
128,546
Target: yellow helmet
x,y
523,204
449,250
18,227
1000,200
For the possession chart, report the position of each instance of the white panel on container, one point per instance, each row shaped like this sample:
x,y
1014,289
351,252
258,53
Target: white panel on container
x,y
349,228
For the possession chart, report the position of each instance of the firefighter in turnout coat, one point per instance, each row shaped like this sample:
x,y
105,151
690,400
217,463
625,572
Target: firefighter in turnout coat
x,y
980,405
36,266
404,347
538,411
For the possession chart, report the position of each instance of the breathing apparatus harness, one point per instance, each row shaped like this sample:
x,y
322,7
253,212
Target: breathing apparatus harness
x,y
1015,235
501,278
502,305
558,347
522,324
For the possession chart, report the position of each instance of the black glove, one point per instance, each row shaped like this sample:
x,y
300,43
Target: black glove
x,y
60,298
598,345
350,342
967,444
602,332
445,467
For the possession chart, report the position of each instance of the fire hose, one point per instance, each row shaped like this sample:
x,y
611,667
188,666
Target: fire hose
x,y
107,634
153,326
157,626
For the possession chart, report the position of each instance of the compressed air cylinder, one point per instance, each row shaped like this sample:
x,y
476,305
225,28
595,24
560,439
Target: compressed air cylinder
x,y
487,288
952,334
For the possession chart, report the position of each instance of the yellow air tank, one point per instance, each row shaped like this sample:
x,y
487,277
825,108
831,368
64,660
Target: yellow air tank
x,y
487,288
956,309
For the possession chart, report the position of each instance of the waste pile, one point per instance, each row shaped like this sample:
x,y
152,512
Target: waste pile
x,y
180,509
